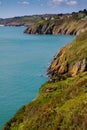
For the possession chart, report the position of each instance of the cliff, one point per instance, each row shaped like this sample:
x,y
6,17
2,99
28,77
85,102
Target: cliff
x,y
61,103
71,59
63,23
62,26
73,23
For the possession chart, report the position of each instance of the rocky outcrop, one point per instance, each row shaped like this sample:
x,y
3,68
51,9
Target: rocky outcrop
x,y
41,28
65,61
78,67
72,27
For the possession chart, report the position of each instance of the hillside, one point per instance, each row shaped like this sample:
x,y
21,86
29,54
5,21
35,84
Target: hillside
x,y
19,21
61,103
71,59
24,20
71,24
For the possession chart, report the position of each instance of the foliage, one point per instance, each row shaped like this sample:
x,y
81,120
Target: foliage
x,y
59,105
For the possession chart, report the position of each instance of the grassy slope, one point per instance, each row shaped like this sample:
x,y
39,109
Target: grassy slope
x,y
64,24
23,20
60,104
70,57
78,48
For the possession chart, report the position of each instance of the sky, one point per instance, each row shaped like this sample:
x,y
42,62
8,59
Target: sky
x,y
12,8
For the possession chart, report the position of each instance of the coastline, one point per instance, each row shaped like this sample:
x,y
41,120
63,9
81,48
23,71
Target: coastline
x,y
56,97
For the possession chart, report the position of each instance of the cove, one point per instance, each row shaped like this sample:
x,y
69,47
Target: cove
x,y
23,62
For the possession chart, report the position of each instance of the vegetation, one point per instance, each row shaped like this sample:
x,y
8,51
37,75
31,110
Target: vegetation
x,y
61,103
63,23
71,59
73,23
20,21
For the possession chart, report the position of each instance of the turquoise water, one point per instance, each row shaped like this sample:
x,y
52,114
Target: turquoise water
x,y
23,59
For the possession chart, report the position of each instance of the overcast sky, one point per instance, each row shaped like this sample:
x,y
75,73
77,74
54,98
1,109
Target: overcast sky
x,y
11,8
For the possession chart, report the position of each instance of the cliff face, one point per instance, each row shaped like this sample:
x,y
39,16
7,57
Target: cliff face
x,y
62,26
71,59
61,103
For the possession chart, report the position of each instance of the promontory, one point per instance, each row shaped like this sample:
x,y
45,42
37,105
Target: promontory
x,y
61,103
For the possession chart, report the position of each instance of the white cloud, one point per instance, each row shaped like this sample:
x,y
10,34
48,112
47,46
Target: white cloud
x,y
57,1
72,2
53,3
68,2
24,3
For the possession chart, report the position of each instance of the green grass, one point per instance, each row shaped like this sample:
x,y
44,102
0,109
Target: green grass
x,y
78,49
72,56
59,105
64,24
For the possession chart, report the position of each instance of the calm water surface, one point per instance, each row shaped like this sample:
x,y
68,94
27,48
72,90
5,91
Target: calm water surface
x,y
23,59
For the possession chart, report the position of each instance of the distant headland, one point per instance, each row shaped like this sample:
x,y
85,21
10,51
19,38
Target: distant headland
x,y
72,24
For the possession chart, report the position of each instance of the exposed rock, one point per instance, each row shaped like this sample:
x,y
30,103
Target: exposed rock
x,y
65,61
80,66
59,64
73,27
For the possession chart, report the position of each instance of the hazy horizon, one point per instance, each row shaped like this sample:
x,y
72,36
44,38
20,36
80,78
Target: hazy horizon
x,y
17,8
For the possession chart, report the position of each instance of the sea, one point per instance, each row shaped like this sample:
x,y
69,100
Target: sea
x,y
24,59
